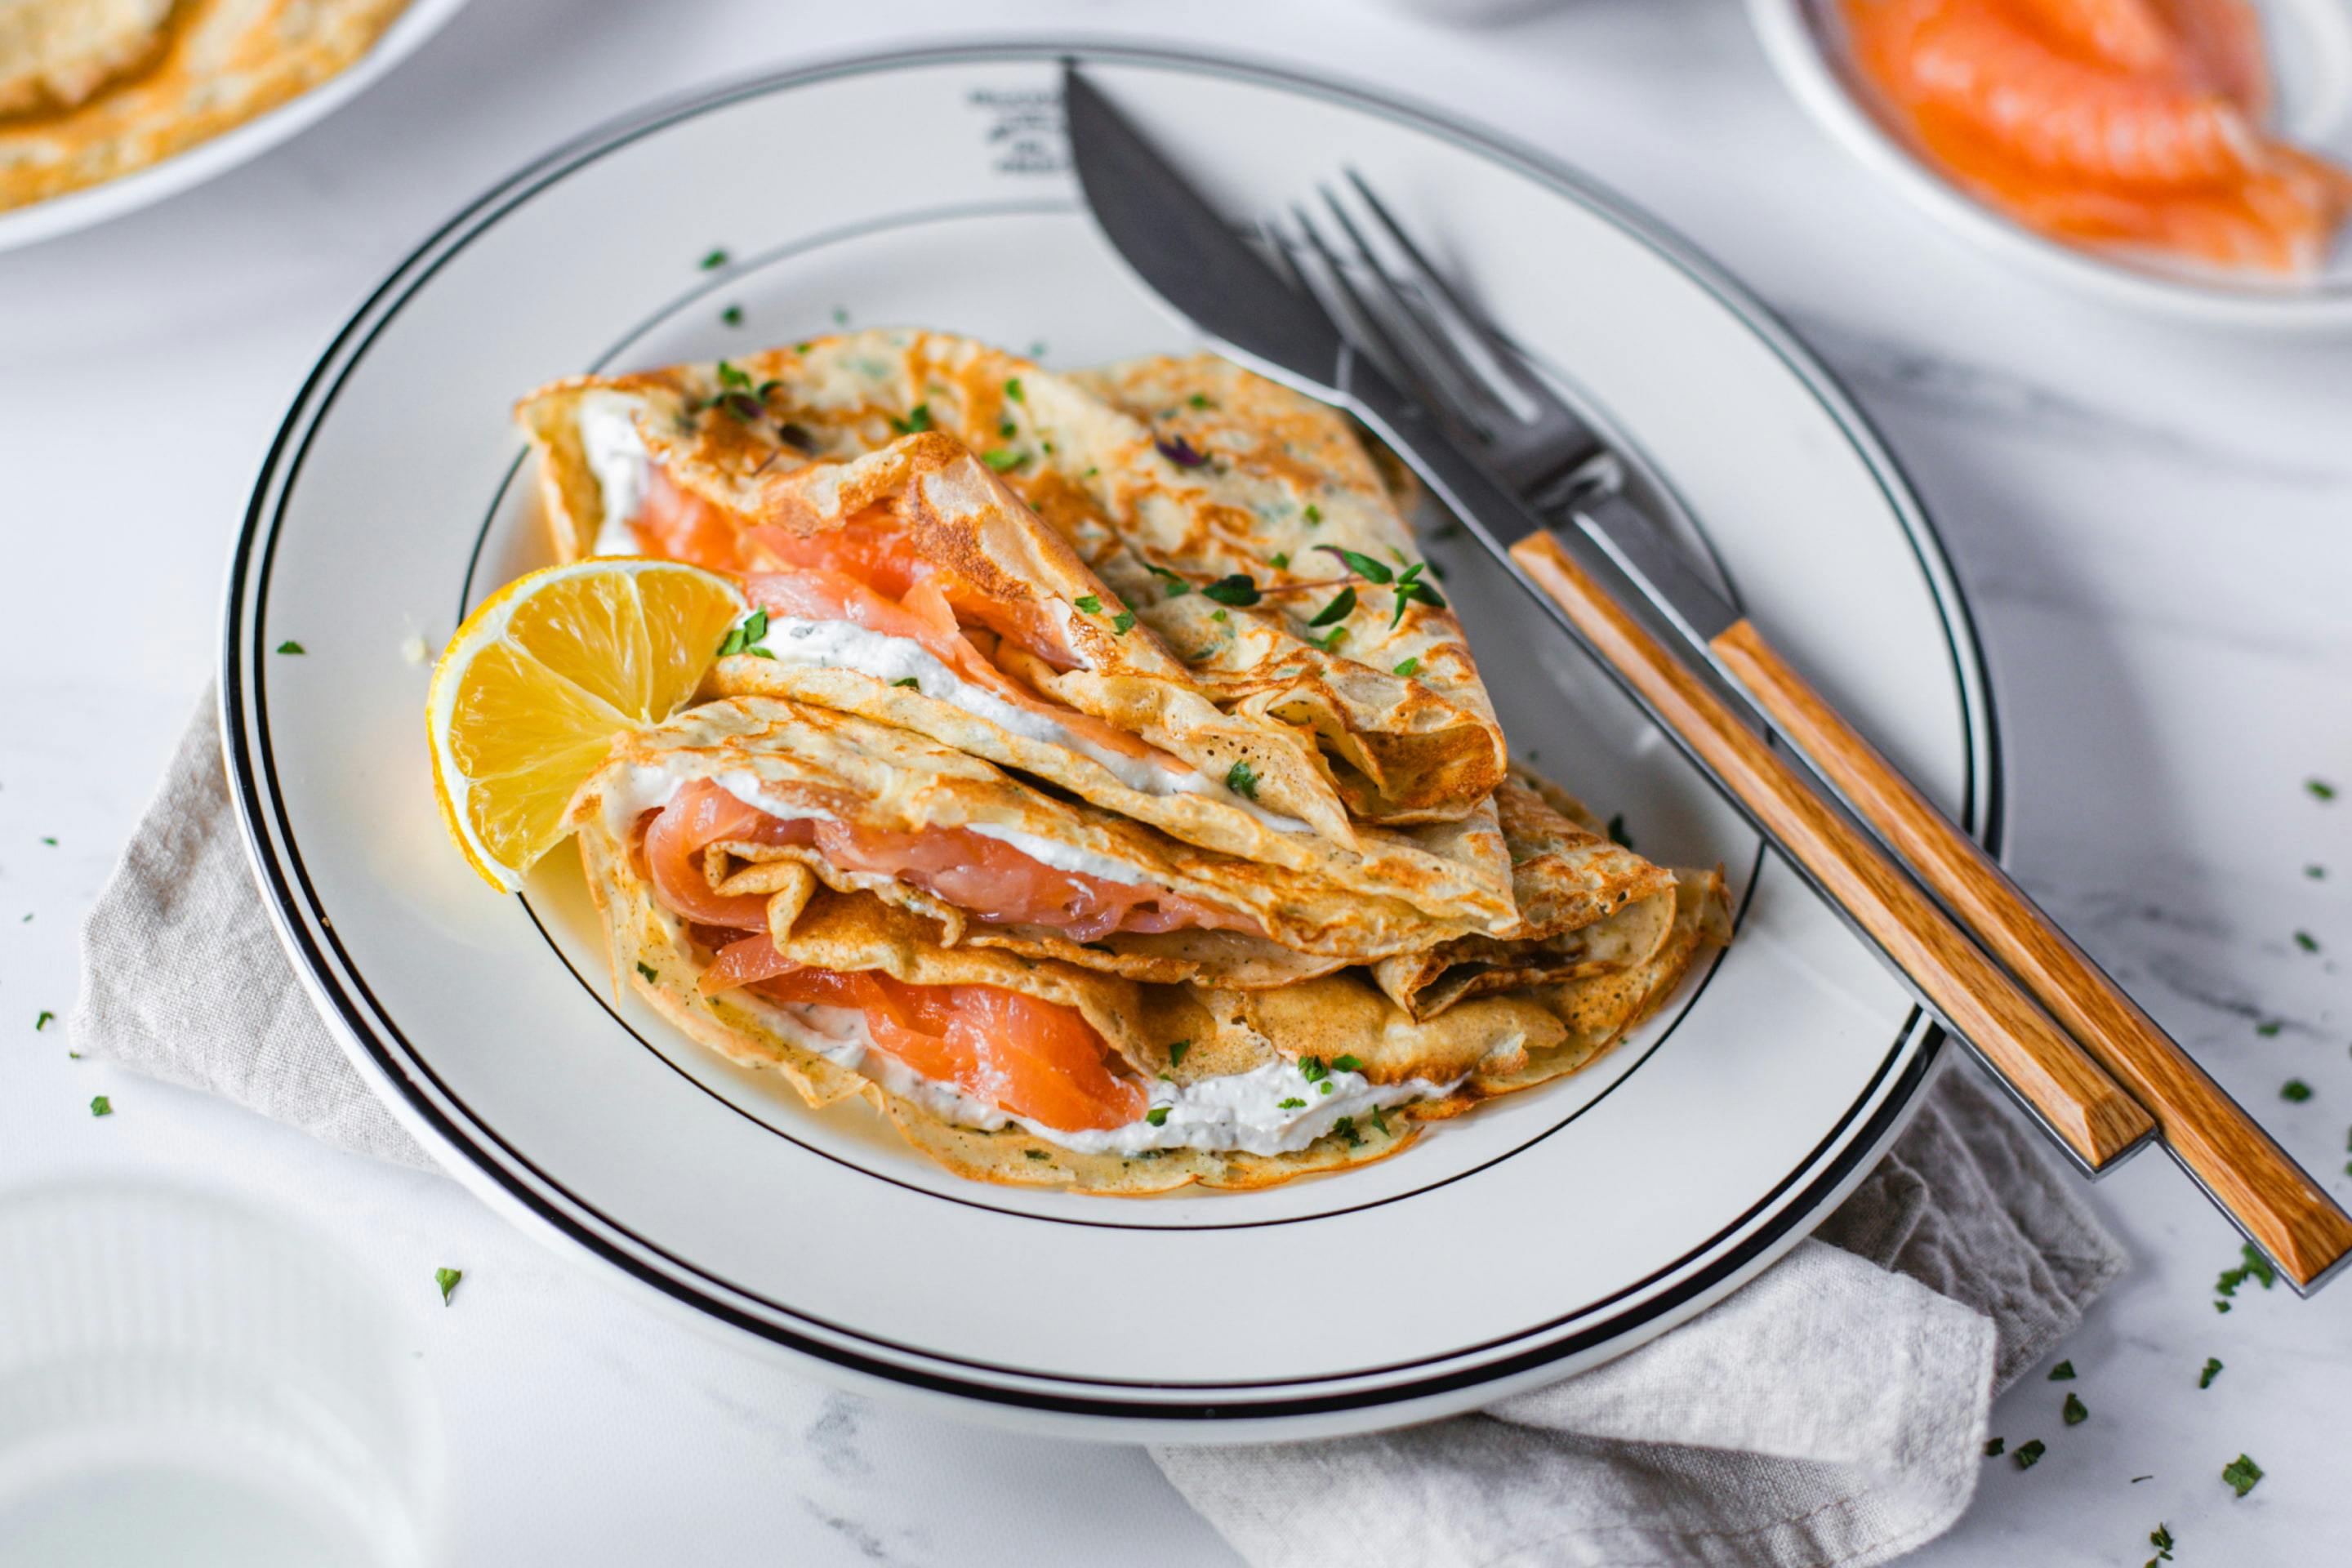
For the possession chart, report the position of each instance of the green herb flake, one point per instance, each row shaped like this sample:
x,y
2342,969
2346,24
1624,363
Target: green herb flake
x,y
734,376
1037,1153
1293,1103
1281,560
2063,1372
1342,605
1006,428
2317,873
1330,641
1089,602
2295,1089
2320,789
714,261
648,971
2074,1411
1313,515
1004,459
1176,1052
1410,666
2242,1473
840,316
2255,1268
1157,1116
1237,589
448,1280
99,1105
1361,564
1994,1448
1013,390
1346,1128
1176,585
43,1019
1242,779
290,646
1198,400
2161,1538
918,420
1219,616
1312,1069
909,681
1380,1121
2268,1029
2306,940
1323,1088
732,315
1347,1064
2213,1369
1123,622
2029,1454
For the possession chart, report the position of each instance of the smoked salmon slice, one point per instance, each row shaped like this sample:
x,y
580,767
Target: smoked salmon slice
x,y
2118,123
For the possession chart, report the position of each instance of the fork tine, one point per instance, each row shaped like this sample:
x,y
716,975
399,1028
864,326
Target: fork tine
x,y
1436,360
1355,318
1432,283
1277,251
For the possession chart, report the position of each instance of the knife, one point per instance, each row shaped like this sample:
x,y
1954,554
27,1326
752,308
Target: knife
x,y
1184,251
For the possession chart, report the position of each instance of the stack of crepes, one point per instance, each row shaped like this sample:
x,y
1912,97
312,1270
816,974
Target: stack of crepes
x,y
1100,785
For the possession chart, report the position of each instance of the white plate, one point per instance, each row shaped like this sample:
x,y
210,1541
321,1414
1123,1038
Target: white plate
x,y
2310,45
1539,1235
218,154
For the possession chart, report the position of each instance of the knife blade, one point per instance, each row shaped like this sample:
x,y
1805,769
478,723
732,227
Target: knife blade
x,y
1186,255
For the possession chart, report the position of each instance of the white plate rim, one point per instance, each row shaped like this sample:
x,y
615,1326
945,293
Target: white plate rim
x,y
70,211
1840,1162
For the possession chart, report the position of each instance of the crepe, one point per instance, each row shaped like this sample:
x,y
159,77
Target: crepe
x,y
96,88
1393,1072
1220,555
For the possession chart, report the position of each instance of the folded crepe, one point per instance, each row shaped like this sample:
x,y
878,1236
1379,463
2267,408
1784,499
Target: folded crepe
x,y
1270,560
1006,1061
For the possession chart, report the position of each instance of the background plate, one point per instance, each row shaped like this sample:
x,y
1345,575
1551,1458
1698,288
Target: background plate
x,y
1542,1234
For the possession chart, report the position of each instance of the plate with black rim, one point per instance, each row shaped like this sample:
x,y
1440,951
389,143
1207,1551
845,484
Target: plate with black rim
x,y
1539,1235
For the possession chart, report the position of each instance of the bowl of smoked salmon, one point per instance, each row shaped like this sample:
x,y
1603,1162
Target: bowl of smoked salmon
x,y
2193,156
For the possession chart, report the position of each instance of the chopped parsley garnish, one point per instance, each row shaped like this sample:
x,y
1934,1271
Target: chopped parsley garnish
x,y
1177,586
1239,588
1994,1446
1407,667
2161,1538
290,646
1179,451
909,681
2295,1090
2213,1369
2063,1372
43,1019
1121,622
1312,1069
1380,1121
1089,602
733,376
1198,400
1157,1116
2268,1028
1348,1063
1342,605
840,316
1242,779
448,1280
648,971
1176,1053
1346,1128
2317,873
2320,789
1013,390
715,260
2255,1268
918,420
1037,1153
2029,1454
1004,459
1323,1088
1219,616
1363,566
1617,834
2074,1411
739,638
1280,560
2242,1473
99,1105
2306,940
1313,515
732,315
1293,1103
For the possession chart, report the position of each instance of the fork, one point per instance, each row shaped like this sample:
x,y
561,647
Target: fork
x,y
1399,309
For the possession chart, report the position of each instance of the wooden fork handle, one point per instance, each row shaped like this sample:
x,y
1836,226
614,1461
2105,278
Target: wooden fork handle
x,y
2075,1098
2271,1197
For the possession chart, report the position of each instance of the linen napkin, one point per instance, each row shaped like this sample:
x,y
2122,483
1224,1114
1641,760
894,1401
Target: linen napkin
x,y
1832,1412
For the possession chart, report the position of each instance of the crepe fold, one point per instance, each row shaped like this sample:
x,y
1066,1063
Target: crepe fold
x,y
1228,514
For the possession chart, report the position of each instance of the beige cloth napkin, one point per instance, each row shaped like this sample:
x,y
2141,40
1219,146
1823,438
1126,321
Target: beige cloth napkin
x,y
1832,1411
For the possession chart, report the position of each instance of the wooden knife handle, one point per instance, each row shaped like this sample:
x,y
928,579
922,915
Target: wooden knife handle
x,y
2094,1117
2277,1203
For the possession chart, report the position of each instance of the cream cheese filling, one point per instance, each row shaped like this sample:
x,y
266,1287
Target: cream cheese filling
x,y
616,455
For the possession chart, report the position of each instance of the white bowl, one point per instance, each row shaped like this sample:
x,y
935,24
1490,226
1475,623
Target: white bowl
x,y
2310,44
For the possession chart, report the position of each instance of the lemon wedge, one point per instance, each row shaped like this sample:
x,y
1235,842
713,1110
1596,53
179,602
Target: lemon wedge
x,y
528,695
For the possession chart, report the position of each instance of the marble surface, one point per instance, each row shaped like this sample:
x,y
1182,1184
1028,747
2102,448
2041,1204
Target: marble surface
x,y
2151,521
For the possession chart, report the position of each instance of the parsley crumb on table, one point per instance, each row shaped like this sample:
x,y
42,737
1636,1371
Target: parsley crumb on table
x,y
2213,1369
1993,1447
99,1105
2295,1090
2074,1411
2029,1454
448,1280
2242,1473
2062,1371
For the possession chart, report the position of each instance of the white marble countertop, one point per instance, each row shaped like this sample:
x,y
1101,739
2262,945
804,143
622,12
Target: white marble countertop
x,y
2154,523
